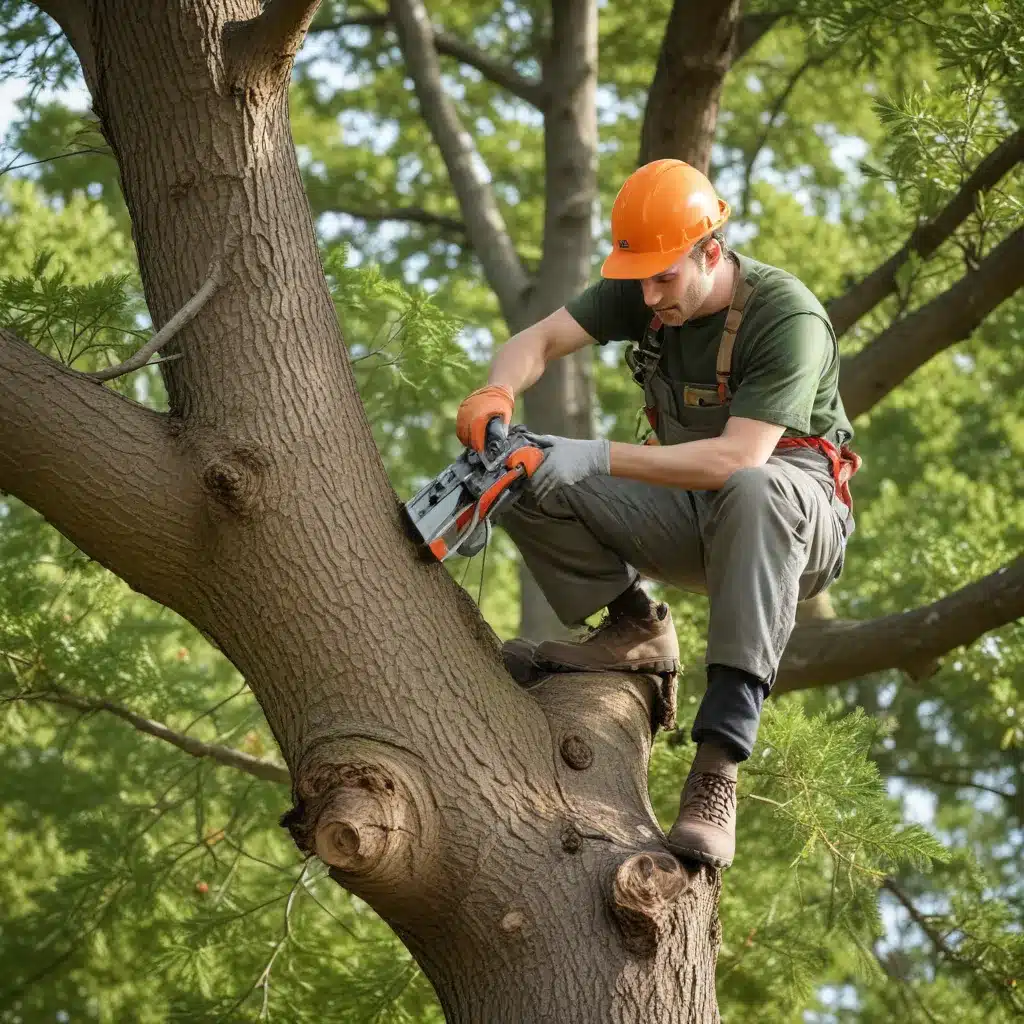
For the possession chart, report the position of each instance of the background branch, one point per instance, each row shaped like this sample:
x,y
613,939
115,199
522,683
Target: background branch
x,y
886,362
682,103
500,72
485,226
411,214
815,60
995,980
752,28
271,771
847,309
832,651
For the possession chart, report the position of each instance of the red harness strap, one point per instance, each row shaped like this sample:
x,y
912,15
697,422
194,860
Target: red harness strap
x,y
845,462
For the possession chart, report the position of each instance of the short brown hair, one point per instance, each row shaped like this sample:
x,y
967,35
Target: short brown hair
x,y
699,252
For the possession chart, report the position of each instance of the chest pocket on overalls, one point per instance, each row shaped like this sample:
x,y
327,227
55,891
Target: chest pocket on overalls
x,y
680,411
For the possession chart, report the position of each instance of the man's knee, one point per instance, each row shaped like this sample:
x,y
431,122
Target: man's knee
x,y
753,488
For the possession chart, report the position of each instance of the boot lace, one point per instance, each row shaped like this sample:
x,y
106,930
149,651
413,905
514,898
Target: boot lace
x,y
712,798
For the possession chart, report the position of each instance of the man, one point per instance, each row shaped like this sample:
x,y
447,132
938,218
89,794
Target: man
x,y
742,494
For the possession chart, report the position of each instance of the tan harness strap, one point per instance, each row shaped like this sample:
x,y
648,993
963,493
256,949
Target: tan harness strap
x,y
723,365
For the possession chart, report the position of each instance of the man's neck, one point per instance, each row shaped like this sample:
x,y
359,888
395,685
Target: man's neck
x,y
722,287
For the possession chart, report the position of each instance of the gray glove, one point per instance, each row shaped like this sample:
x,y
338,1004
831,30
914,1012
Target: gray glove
x,y
568,461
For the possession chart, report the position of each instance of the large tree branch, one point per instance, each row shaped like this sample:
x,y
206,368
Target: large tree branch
x,y
271,771
105,471
872,373
847,309
682,104
835,650
500,72
485,226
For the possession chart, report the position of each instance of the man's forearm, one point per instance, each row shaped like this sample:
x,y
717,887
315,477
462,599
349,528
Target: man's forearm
x,y
692,466
519,363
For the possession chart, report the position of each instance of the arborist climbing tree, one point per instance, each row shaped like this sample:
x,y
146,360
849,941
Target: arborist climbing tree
x,y
742,491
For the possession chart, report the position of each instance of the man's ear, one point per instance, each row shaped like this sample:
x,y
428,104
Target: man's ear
x,y
712,254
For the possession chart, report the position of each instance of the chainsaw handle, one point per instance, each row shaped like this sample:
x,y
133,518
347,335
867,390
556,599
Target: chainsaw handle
x,y
529,457
494,438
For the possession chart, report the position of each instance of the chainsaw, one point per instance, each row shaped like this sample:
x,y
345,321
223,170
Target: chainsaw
x,y
452,514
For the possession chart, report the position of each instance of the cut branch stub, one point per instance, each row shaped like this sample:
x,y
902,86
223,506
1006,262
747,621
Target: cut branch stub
x,y
368,820
645,889
355,830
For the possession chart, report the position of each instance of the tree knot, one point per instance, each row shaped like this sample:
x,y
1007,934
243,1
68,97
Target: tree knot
x,y
646,887
235,479
576,752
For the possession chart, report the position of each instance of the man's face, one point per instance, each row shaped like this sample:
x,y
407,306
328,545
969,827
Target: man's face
x,y
678,292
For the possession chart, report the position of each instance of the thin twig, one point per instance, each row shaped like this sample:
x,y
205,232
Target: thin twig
x,y
956,783
944,949
168,331
258,767
50,159
777,108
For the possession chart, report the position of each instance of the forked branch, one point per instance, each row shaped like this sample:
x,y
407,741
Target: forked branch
x,y
897,352
847,309
269,42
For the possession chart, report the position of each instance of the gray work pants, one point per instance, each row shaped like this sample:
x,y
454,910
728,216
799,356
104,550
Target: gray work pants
x,y
770,537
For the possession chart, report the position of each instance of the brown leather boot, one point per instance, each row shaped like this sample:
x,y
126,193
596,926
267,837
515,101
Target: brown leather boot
x,y
706,827
518,657
621,643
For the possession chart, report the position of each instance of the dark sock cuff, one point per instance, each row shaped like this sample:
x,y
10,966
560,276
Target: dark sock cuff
x,y
632,602
730,712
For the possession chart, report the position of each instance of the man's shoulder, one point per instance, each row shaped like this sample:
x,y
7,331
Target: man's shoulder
x,y
779,294
611,310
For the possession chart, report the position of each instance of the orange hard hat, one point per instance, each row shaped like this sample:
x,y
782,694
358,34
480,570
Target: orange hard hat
x,y
661,211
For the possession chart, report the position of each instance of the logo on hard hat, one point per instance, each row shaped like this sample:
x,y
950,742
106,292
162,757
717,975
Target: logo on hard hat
x,y
623,244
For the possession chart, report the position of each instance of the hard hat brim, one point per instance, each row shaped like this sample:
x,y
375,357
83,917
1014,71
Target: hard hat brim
x,y
623,265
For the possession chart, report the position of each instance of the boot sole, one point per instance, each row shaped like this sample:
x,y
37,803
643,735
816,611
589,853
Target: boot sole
x,y
667,666
686,853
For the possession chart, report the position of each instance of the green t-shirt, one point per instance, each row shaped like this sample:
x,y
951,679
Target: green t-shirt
x,y
785,364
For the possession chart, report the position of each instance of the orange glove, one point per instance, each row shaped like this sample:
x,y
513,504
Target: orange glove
x,y
479,409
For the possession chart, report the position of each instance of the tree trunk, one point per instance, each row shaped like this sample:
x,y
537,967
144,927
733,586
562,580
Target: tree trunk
x,y
506,836
682,104
562,401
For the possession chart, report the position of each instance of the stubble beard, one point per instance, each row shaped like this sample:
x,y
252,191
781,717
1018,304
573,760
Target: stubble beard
x,y
693,298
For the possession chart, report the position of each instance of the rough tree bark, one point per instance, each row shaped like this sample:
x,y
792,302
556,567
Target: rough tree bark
x,y
506,837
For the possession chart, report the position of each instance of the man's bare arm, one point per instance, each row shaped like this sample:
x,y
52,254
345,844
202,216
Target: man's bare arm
x,y
698,465
522,359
